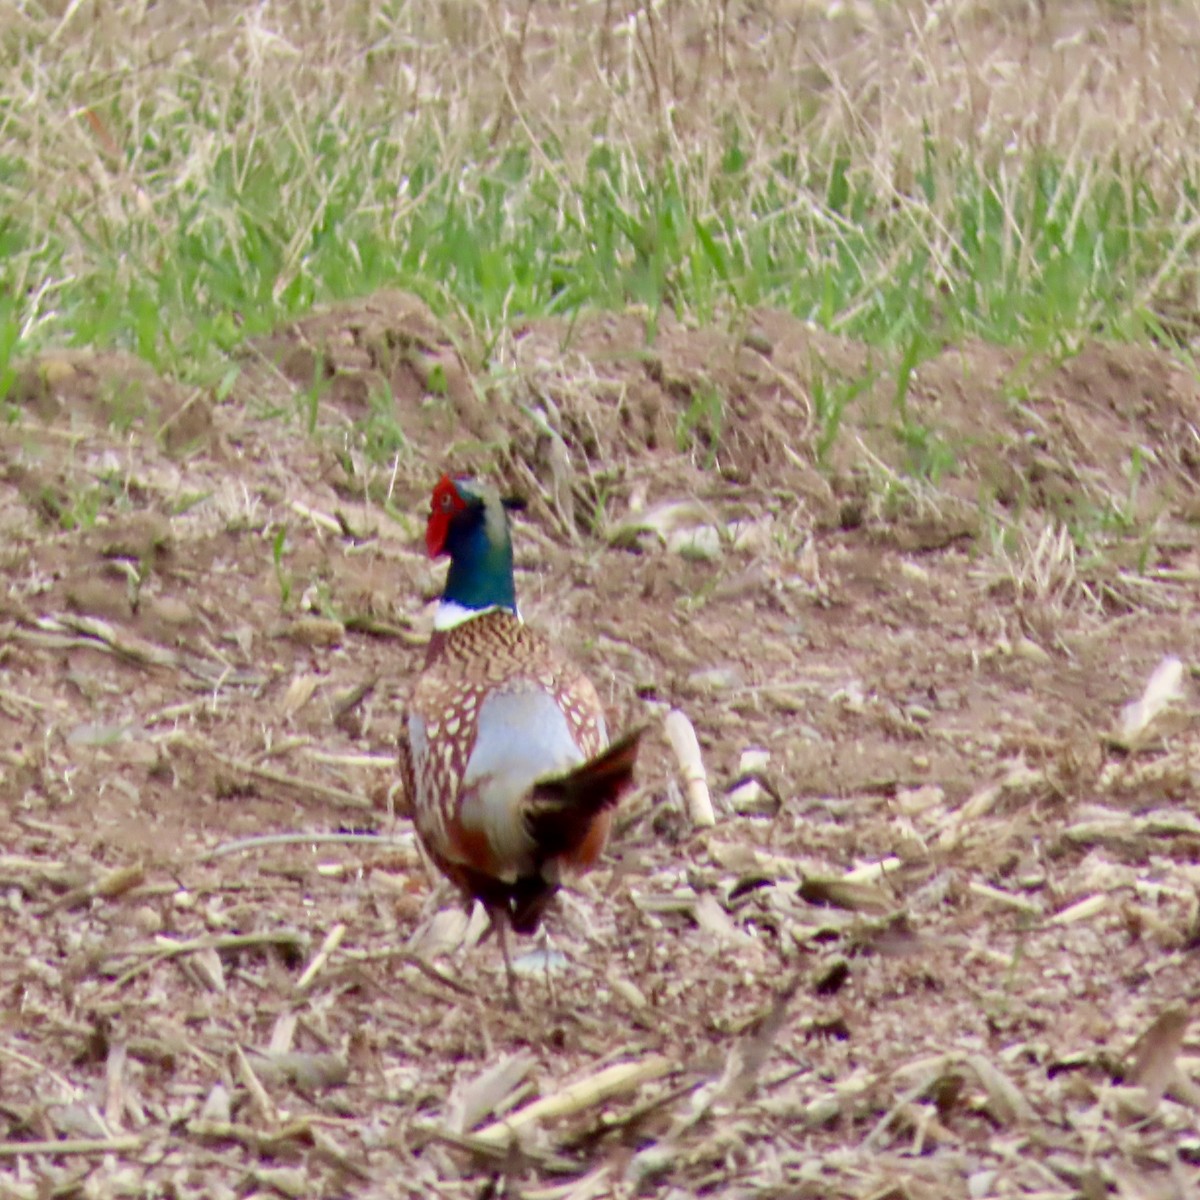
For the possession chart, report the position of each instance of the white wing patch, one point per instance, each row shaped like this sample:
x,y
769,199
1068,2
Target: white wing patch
x,y
522,736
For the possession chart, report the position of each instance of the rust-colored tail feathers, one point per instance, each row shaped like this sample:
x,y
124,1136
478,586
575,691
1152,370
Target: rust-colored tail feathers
x,y
559,812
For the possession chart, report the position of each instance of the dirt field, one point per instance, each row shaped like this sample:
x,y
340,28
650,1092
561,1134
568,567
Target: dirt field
x,y
914,957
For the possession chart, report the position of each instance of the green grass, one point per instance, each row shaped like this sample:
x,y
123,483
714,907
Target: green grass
x,y
380,433
1031,260
699,425
283,576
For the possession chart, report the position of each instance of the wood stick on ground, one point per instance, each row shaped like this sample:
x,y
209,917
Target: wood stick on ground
x,y
114,1085
508,1155
259,1140
377,762
284,1033
119,641
254,1085
24,705
110,886
682,736
232,941
326,1148
322,791
595,1089
119,1145
431,972
264,841
593,1185
333,939
319,519
69,1089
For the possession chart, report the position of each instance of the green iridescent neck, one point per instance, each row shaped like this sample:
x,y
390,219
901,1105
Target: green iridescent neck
x,y
481,561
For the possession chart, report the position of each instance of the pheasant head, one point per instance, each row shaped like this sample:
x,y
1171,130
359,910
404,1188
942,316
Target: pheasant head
x,y
468,521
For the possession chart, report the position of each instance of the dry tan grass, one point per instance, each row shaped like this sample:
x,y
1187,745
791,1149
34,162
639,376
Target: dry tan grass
x,y
987,71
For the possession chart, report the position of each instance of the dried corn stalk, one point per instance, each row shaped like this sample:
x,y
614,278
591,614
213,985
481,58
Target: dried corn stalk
x,y
682,736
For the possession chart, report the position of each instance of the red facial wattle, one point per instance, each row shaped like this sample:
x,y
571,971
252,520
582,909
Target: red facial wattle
x,y
435,533
443,505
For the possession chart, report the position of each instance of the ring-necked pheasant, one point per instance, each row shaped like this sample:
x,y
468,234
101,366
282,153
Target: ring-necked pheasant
x,y
504,754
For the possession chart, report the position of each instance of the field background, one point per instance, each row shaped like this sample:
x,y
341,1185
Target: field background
x,y
844,353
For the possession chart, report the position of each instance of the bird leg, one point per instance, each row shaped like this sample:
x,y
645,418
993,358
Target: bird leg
x,y
499,919
544,943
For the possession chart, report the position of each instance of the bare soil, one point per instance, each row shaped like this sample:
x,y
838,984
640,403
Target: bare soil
x,y
944,943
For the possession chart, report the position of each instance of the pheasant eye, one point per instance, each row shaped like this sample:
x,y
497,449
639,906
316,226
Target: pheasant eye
x,y
447,502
